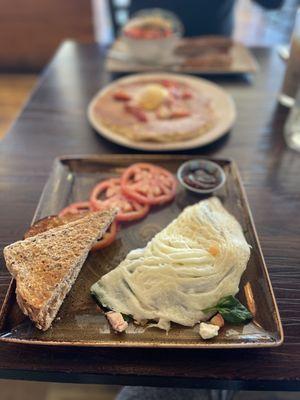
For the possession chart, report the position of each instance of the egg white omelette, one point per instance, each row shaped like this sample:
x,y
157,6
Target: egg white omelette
x,y
189,266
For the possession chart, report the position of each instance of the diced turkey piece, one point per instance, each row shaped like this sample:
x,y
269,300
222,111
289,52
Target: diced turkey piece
x,y
116,321
217,320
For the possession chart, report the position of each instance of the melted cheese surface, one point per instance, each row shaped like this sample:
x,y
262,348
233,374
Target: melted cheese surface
x,y
189,266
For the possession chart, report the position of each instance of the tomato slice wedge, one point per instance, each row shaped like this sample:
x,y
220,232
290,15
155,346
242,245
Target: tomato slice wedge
x,y
148,184
75,208
108,193
176,91
107,239
137,112
120,95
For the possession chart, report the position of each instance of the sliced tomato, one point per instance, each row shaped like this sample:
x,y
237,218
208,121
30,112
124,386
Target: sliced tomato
x,y
153,34
75,208
186,94
135,33
172,111
107,239
180,112
168,83
137,112
148,184
177,91
108,193
147,32
174,88
120,95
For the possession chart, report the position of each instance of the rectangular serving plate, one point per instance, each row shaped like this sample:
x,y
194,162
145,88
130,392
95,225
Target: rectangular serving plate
x,y
243,62
79,321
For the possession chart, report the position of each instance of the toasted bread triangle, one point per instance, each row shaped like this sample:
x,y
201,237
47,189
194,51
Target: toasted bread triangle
x,y
45,266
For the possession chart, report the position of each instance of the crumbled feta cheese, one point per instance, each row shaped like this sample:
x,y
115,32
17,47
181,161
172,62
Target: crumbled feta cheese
x,y
208,331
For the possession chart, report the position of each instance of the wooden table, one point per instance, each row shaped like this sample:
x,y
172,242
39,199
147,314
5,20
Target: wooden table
x,y
54,123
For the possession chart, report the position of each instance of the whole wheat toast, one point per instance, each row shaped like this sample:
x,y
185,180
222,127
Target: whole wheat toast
x,y
45,266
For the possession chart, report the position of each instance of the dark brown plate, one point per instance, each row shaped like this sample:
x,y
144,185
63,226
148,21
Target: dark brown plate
x,y
188,58
79,321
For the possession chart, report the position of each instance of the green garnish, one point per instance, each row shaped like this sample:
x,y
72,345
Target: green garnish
x,y
127,318
232,310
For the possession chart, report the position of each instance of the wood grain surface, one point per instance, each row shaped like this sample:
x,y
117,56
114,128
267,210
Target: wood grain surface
x,y
31,30
14,90
54,123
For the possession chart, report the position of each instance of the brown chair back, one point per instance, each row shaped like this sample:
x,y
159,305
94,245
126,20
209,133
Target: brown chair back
x,y
31,30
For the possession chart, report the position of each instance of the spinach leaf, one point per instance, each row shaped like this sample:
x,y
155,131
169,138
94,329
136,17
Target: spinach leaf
x,y
127,318
231,310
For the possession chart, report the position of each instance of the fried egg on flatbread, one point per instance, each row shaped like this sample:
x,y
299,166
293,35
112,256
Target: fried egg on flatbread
x,y
149,96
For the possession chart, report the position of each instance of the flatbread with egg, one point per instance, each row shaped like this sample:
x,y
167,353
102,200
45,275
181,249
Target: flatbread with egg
x,y
155,110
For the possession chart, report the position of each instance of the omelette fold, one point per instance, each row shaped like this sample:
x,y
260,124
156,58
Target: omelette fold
x,y
189,266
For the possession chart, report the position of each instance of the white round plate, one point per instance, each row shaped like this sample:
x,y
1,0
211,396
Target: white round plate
x,y
222,103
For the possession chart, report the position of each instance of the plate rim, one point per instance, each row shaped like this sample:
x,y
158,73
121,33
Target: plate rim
x,y
195,142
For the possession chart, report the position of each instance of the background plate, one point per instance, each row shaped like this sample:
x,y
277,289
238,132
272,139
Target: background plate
x,y
79,321
242,61
222,103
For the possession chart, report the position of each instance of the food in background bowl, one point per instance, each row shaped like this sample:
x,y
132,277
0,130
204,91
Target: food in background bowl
x,y
151,35
148,28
